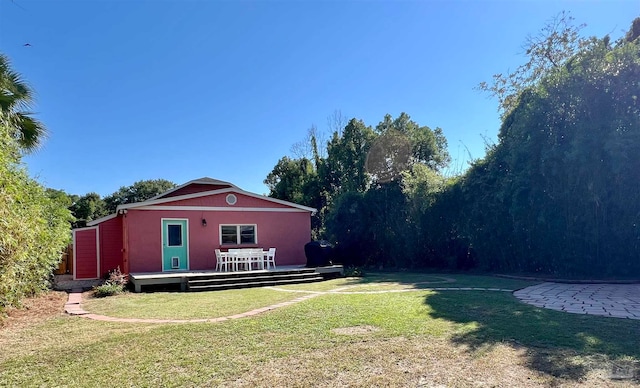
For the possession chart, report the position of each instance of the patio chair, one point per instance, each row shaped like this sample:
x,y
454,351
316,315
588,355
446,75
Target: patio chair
x,y
256,256
219,260
270,260
223,261
241,258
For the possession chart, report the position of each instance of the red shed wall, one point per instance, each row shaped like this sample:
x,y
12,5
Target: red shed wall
x,y
286,231
111,245
85,253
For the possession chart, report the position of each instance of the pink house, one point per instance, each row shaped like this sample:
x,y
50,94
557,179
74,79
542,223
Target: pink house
x,y
179,231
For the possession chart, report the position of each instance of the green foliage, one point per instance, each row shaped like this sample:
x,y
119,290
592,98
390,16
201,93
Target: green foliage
x,y
292,180
548,51
34,222
107,289
560,193
359,187
16,97
34,228
89,207
114,285
344,168
426,146
138,192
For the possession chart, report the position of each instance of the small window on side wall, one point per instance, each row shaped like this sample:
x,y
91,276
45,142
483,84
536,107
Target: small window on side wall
x,y
238,234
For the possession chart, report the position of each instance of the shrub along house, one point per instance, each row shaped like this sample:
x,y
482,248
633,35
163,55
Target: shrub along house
x,y
180,229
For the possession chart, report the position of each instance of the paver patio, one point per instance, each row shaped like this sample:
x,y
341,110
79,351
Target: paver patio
x,y
610,300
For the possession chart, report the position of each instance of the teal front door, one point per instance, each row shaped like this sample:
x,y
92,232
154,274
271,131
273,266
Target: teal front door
x,y
175,252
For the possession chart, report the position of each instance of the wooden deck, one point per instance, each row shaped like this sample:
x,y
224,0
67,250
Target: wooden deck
x,y
212,280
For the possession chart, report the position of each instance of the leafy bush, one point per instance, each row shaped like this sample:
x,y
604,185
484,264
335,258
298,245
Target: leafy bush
x,y
107,289
115,284
34,228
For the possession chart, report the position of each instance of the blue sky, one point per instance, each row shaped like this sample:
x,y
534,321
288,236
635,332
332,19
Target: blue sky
x,y
133,90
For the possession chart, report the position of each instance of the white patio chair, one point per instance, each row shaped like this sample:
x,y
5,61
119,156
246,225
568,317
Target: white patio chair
x,y
224,261
241,258
270,258
219,260
256,257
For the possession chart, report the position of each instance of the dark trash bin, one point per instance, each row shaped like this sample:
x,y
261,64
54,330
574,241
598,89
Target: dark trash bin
x,y
318,253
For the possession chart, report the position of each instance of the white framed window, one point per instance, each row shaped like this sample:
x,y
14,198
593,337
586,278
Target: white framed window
x,y
238,234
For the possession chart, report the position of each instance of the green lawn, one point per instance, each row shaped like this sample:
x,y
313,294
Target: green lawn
x,y
429,338
181,305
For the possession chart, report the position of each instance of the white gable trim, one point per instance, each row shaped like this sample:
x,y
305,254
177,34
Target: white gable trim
x,y
224,209
152,202
198,181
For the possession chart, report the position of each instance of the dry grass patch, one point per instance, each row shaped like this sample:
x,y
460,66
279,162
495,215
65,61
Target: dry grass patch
x,y
356,330
34,310
418,362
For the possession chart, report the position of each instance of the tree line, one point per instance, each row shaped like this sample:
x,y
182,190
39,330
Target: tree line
x,y
91,206
558,194
360,182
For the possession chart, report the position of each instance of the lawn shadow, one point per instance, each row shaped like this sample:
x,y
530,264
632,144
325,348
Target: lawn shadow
x,y
413,279
559,344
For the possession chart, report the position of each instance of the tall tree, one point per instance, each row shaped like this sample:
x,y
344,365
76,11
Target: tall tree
x,y
89,207
558,41
16,98
344,169
403,143
290,180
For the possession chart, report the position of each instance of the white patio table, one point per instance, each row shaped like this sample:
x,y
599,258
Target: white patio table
x,y
244,257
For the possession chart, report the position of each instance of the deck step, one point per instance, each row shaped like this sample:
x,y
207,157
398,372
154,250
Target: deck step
x,y
263,283
249,279
254,273
233,280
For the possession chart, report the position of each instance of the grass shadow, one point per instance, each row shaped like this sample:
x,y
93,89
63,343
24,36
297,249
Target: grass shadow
x,y
430,280
560,344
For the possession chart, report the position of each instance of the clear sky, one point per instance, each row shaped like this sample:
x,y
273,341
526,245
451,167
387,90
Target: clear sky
x,y
133,90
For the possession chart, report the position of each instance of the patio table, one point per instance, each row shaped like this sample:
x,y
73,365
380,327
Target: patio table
x,y
246,257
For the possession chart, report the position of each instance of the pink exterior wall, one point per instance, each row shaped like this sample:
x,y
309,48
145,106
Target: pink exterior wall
x,y
85,251
285,231
219,200
111,245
